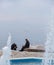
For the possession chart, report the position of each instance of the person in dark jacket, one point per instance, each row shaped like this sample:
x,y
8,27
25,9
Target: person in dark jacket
x,y
13,46
27,45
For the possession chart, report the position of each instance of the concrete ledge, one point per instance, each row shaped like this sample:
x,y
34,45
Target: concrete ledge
x,y
34,50
37,48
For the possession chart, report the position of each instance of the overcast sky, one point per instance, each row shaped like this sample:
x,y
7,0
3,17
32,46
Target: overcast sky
x,y
25,19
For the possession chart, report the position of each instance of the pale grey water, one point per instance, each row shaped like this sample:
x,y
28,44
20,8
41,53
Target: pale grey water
x,y
24,19
21,31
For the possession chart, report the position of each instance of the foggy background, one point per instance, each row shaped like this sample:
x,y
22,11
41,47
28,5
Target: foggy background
x,y
24,19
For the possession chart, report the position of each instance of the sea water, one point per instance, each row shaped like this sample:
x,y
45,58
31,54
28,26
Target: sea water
x,y
49,45
4,60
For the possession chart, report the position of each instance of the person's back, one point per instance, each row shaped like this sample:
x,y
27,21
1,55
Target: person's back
x,y
27,45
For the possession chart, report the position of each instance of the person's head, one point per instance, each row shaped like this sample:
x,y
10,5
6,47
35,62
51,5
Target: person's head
x,y
13,46
26,39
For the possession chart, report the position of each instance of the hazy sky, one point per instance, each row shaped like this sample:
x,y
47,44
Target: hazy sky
x,y
24,19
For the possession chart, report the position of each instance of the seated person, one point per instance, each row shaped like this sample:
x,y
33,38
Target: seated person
x,y
13,46
27,45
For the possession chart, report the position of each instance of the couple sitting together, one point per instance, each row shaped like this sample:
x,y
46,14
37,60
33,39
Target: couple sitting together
x,y
27,45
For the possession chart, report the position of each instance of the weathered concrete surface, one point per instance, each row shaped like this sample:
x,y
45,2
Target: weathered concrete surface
x,y
28,52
